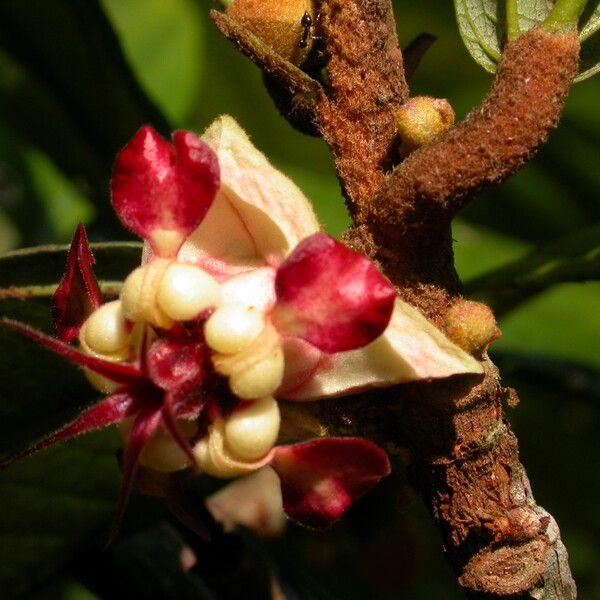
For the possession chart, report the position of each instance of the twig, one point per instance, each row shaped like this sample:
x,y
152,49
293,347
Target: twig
x,y
465,459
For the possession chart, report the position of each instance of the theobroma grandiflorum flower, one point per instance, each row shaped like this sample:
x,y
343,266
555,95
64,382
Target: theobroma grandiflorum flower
x,y
239,300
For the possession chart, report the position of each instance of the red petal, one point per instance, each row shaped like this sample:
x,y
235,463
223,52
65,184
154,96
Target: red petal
x,y
146,422
160,188
320,479
110,410
172,427
78,293
170,363
117,372
330,296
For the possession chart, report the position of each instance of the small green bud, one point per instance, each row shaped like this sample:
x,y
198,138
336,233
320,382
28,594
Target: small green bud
x,y
420,120
472,326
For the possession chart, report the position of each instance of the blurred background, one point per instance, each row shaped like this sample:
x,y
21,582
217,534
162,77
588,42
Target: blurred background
x,y
77,79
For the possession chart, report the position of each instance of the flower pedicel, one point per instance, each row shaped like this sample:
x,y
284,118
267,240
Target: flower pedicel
x,y
239,300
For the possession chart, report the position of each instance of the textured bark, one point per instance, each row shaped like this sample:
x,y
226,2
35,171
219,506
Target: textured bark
x,y
463,455
492,143
367,86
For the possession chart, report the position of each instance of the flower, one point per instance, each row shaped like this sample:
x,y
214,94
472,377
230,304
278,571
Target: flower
x,y
239,300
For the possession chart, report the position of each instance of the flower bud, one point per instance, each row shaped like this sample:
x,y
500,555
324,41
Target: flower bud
x,y
282,25
233,327
105,332
185,291
472,326
420,120
260,379
252,430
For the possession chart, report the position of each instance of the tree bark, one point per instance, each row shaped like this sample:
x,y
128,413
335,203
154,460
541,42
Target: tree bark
x,y
463,455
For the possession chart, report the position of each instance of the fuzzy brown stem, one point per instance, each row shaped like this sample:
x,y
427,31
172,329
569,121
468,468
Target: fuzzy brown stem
x,y
492,143
464,457
367,86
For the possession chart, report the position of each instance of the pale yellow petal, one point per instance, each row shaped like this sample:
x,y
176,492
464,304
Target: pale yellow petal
x,y
410,349
259,215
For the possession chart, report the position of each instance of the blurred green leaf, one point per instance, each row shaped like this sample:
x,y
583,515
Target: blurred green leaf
x,y
589,57
573,259
44,266
40,391
163,42
483,28
68,88
60,502
560,323
590,20
55,506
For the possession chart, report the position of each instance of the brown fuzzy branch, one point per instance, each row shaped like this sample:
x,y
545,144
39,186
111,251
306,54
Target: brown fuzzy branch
x,y
464,456
367,86
463,459
492,143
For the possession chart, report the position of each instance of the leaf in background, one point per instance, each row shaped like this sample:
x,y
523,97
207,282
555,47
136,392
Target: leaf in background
x,y
481,27
40,391
60,502
573,259
55,506
45,266
70,90
165,49
589,59
560,323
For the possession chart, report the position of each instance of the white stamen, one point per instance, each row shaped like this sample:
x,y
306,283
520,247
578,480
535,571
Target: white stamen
x,y
105,330
233,327
252,431
186,290
260,379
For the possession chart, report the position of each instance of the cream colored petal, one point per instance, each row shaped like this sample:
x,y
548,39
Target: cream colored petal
x,y
253,501
410,349
253,288
258,215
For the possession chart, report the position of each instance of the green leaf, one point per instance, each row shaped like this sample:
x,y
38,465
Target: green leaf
x,y
69,90
589,23
40,269
483,27
589,59
532,12
54,507
166,50
575,258
58,503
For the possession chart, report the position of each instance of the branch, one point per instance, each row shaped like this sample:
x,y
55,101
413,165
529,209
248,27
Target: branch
x,y
465,459
367,87
492,143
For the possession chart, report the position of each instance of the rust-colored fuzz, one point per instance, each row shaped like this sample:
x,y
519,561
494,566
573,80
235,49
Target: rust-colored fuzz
x,y
491,144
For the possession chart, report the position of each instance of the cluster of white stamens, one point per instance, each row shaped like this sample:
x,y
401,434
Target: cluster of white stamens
x,y
245,347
